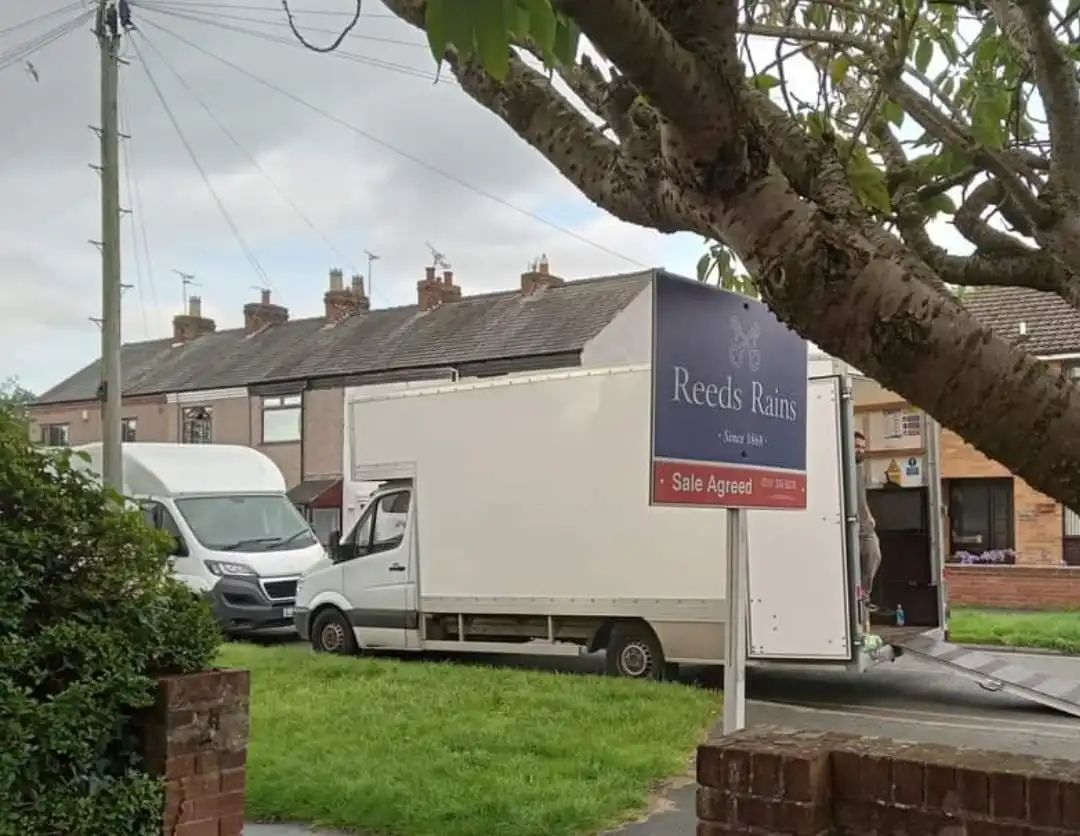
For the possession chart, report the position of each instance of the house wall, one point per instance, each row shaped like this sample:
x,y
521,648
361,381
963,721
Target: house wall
x,y
154,418
1036,517
1039,580
627,339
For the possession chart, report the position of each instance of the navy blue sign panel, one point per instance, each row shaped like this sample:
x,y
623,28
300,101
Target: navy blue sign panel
x,y
729,401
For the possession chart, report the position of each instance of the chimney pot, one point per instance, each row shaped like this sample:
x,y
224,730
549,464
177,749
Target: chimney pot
x,y
432,291
337,279
192,324
262,314
539,277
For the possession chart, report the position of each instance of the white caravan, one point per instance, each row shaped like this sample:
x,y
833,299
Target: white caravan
x,y
513,517
238,539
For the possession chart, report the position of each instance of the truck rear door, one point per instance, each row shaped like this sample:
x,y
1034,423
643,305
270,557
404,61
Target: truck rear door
x,y
799,580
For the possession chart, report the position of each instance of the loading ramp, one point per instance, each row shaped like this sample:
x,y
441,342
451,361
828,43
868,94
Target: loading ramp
x,y
995,673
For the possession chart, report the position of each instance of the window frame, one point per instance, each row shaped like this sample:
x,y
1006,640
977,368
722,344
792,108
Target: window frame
x,y
352,550
992,496
46,433
189,420
281,405
129,429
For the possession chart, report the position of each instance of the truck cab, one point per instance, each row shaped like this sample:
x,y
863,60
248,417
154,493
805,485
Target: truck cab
x,y
364,592
237,539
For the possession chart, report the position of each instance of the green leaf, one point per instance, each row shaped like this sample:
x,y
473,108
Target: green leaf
x,y
1073,8
542,26
868,182
765,82
435,24
893,111
941,203
492,27
924,52
838,68
704,267
567,37
986,121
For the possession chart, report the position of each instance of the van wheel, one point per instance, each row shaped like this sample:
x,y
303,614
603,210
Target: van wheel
x,y
634,652
331,633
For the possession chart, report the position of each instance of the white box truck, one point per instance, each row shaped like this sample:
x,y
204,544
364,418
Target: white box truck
x,y
513,517
238,540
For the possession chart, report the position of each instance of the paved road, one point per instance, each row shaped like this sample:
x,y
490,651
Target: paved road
x,y
909,699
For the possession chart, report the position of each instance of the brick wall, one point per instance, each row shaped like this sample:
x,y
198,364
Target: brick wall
x,y
767,781
1038,522
1015,587
196,738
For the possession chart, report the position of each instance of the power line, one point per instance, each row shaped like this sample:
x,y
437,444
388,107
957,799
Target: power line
x,y
135,213
43,16
137,204
290,41
20,53
275,9
202,172
250,157
390,147
170,8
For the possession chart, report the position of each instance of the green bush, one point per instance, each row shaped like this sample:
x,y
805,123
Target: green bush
x,y
88,618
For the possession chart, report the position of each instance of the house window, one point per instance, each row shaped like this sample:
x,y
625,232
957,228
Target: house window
x,y
128,427
282,418
980,515
54,435
1071,369
196,425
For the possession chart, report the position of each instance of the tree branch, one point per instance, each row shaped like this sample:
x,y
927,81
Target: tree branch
x,y
1055,76
702,131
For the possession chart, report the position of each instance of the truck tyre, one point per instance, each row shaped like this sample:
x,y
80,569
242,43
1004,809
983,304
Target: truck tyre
x,y
634,652
331,633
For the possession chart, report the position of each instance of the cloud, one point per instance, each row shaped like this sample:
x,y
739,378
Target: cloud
x,y
495,206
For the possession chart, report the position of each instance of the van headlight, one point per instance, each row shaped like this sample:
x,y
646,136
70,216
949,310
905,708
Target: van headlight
x,y
224,569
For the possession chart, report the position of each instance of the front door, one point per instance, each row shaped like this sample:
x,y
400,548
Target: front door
x,y
375,568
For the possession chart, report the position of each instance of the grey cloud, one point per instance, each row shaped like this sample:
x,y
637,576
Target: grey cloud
x,y
359,194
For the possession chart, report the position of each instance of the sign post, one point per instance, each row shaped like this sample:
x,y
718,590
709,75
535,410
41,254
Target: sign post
x,y
728,429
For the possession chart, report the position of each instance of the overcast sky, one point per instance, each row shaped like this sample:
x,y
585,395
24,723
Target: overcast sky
x,y
357,193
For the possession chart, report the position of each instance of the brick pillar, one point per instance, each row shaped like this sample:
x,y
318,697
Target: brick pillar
x,y
196,737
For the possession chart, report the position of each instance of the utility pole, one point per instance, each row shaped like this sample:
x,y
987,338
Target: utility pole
x,y
107,31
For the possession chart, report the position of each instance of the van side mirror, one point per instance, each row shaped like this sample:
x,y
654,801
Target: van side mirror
x,y
179,548
332,543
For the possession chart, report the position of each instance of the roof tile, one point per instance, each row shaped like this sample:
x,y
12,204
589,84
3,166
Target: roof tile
x,y
491,326
1052,324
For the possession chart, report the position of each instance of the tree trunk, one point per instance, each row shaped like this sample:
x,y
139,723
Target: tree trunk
x,y
837,289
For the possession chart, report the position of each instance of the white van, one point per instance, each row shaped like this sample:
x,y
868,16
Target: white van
x,y
239,539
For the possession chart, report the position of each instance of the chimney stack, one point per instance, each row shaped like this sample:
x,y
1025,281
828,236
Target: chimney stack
x,y
263,314
432,291
192,324
340,301
538,277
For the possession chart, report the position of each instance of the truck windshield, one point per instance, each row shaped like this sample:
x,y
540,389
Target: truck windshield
x,y
246,523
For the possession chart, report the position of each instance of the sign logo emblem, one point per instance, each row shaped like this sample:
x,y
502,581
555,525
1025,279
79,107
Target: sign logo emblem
x,y
744,347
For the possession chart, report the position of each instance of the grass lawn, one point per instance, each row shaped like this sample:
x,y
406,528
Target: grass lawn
x,y
415,748
1046,630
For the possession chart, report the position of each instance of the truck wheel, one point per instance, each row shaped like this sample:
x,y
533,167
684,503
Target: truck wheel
x,y
634,652
331,633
